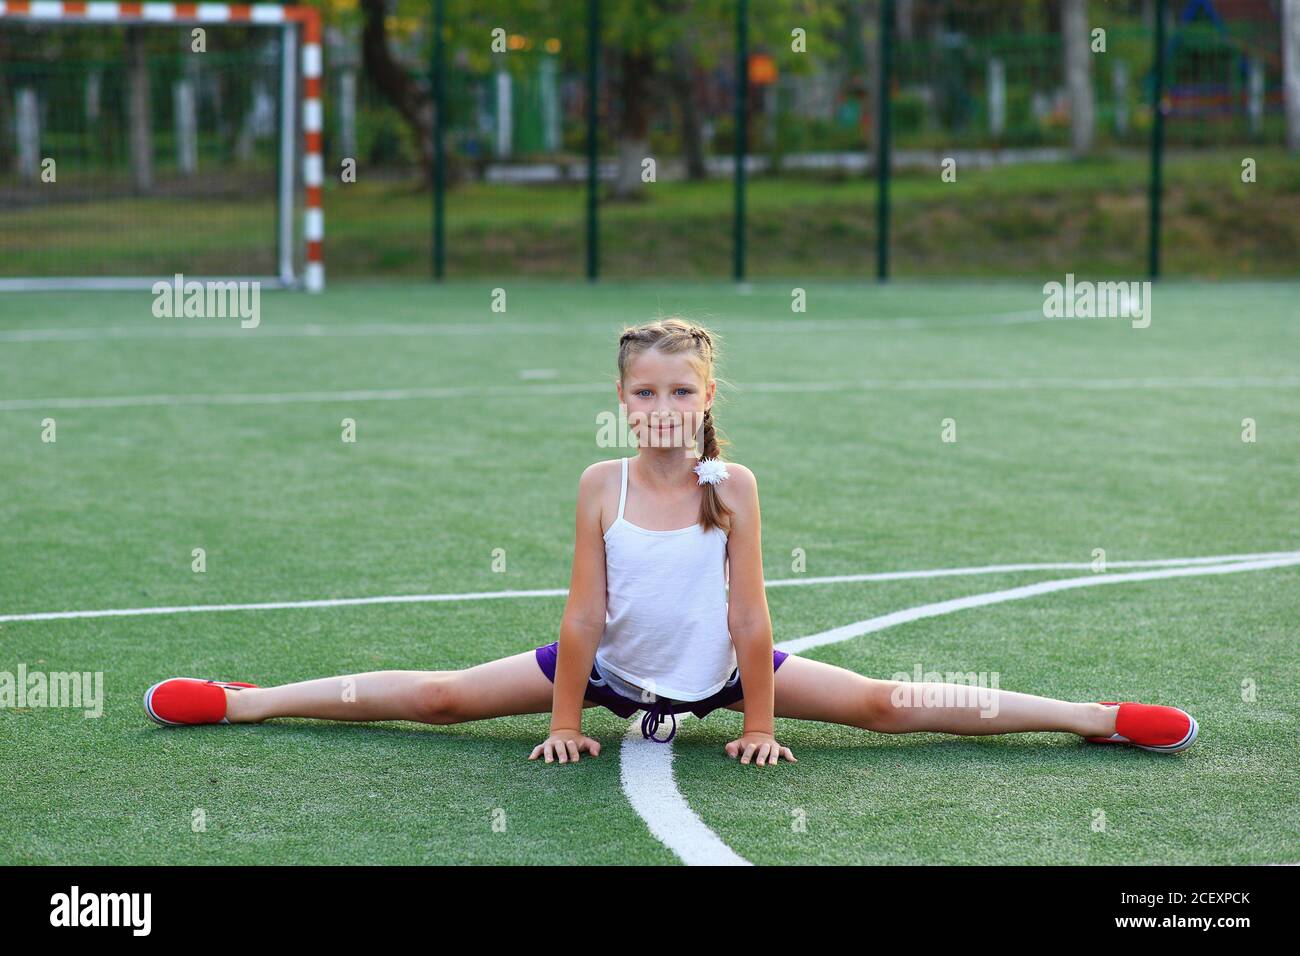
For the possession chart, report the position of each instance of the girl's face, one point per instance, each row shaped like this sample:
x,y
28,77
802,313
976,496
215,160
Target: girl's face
x,y
665,399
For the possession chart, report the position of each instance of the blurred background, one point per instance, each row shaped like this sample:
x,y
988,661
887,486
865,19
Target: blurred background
x,y
167,160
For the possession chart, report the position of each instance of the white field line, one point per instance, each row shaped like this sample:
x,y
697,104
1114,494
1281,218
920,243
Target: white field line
x,y
353,396
206,329
679,828
1015,568
562,592
835,635
282,605
931,610
296,331
421,329
646,774
300,398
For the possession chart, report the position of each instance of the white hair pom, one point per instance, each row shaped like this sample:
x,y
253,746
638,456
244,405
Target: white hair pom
x,y
711,471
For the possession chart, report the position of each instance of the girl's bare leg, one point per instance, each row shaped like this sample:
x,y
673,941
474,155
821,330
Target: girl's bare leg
x,y
813,690
511,685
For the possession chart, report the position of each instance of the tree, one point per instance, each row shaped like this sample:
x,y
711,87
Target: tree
x,y
395,82
651,52
139,112
1078,73
667,36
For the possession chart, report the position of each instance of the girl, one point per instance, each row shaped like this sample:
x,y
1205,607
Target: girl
x,y
666,613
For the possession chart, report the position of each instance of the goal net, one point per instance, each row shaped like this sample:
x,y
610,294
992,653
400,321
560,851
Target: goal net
x,y
139,141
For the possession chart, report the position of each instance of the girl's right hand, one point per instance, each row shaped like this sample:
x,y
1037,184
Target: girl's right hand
x,y
565,744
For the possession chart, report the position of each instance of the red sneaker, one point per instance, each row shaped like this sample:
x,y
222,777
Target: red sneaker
x,y
188,700
1165,730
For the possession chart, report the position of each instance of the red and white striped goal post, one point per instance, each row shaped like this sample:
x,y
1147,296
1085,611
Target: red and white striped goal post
x,y
254,14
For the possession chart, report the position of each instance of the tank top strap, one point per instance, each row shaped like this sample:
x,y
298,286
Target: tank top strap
x,y
622,494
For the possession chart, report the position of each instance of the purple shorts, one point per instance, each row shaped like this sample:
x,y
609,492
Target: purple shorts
x,y
599,693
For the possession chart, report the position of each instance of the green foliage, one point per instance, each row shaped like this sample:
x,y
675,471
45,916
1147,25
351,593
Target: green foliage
x,y
908,113
383,138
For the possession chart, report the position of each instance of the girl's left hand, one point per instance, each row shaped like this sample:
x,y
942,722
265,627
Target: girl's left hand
x,y
764,746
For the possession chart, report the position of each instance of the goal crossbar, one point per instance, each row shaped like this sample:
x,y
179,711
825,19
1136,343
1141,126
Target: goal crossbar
x,y
291,21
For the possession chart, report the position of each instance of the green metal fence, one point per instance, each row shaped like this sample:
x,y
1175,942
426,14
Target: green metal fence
x,y
726,139
978,86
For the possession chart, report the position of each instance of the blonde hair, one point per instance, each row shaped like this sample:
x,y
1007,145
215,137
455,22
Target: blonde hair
x,y
674,335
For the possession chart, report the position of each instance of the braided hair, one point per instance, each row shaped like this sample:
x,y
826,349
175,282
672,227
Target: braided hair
x,y
674,335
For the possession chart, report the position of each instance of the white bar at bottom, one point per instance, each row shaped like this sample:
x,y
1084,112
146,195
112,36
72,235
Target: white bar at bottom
x,y
118,283
314,277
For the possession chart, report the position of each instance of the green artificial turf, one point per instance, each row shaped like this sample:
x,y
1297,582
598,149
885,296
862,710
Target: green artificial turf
x,y
1071,436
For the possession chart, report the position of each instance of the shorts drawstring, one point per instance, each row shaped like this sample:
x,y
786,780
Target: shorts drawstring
x,y
660,709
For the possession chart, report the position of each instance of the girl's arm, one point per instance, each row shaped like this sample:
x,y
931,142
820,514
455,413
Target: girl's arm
x,y
583,624
748,620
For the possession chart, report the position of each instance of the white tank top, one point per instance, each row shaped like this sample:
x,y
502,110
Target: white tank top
x,y
665,609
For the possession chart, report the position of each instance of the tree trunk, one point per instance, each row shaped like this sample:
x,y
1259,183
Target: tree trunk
x,y
414,105
7,153
683,84
634,81
27,125
138,109
1078,73
185,110
1291,71
904,16
868,29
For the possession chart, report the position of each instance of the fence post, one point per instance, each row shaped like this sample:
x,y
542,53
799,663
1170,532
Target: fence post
x,y
439,152
742,136
285,173
882,141
1157,142
593,99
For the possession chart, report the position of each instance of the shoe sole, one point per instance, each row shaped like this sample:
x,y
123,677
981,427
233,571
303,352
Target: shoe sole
x,y
1174,748
1155,748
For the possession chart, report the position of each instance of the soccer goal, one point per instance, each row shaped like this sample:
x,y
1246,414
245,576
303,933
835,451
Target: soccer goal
x,y
139,141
